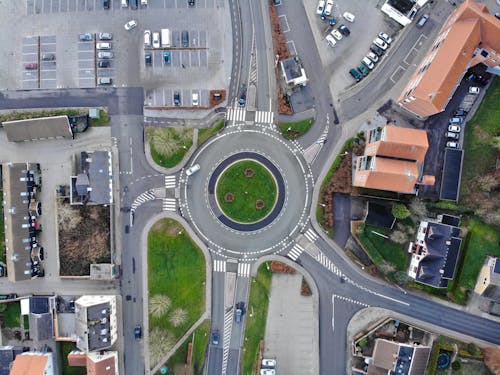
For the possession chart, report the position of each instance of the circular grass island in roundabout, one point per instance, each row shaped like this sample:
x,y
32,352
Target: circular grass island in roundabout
x,y
246,191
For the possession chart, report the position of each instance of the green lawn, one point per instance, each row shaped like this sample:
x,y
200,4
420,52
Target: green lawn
x,y
246,191
12,315
480,154
66,348
103,119
294,130
2,229
169,145
260,288
204,134
383,249
200,342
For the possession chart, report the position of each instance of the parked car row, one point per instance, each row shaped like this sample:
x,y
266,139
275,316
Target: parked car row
x,y
455,127
380,44
268,367
163,39
337,35
103,47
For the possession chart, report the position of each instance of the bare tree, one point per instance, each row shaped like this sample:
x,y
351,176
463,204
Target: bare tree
x,y
178,317
398,237
418,208
160,342
159,305
67,218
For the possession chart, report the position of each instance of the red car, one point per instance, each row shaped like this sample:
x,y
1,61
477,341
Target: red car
x,y
31,66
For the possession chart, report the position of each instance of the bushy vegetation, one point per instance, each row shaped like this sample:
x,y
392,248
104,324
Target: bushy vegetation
x,y
169,145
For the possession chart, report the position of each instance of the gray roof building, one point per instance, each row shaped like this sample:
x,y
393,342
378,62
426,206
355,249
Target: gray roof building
x,y
293,72
41,326
38,129
488,280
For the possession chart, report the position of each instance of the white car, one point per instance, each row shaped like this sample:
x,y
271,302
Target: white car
x,y
372,57
454,128
349,16
386,38
267,371
192,170
195,99
474,90
380,43
130,25
368,63
103,45
147,38
331,40
269,362
451,144
328,8
156,40
105,36
336,34
321,7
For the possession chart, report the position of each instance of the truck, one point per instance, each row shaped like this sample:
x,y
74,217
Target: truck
x,y
166,38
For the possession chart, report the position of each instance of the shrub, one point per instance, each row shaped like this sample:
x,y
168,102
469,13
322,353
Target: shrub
x,y
400,211
362,343
456,365
473,349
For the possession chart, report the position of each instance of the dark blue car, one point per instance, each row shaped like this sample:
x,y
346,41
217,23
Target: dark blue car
x,y
166,57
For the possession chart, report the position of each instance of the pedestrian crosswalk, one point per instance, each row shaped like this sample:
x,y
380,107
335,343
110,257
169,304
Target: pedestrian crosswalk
x,y
244,269
294,254
219,265
325,261
169,204
311,235
236,114
228,325
143,198
169,182
263,117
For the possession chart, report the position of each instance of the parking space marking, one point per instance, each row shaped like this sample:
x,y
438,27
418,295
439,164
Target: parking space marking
x,y
414,48
293,45
282,19
399,68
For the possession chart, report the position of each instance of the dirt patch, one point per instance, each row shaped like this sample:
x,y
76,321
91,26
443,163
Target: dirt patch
x,y
278,267
170,227
305,289
83,237
213,101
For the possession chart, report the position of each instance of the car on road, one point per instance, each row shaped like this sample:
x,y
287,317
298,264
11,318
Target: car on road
x,y
372,57
321,7
344,30
380,43
156,40
193,169
423,20
267,371
363,70
148,58
268,362
104,64
87,37
166,57
376,50
138,332
368,63
328,7
105,36
31,66
474,90
237,315
177,98
355,74
454,128
386,38
242,100
104,55
132,24
456,120
331,40
349,16
215,338
48,57
452,144
336,34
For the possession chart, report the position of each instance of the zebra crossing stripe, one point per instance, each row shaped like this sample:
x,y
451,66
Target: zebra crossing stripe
x,y
237,114
142,198
244,269
169,182
264,117
295,252
169,204
311,236
219,265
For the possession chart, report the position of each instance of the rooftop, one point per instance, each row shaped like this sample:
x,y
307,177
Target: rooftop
x,y
93,184
38,129
31,363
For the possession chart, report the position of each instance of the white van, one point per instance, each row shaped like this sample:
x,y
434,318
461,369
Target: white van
x,y
166,37
124,3
103,45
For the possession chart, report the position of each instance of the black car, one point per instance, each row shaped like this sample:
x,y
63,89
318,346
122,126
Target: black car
x,y
105,4
191,3
460,113
344,30
148,59
104,64
177,98
138,332
243,96
376,50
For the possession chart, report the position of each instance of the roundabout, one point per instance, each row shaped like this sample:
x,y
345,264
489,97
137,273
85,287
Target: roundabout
x,y
251,195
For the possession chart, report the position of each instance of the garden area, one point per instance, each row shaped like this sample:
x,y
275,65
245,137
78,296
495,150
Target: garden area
x,y
169,145
10,315
176,282
246,191
65,348
206,133
260,288
294,130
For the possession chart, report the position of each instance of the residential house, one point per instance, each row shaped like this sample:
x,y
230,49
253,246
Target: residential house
x,y
33,363
488,281
435,252
37,129
96,363
7,356
470,36
393,160
402,11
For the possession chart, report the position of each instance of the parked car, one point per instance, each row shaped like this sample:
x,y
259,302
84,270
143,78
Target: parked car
x,y
331,40
363,70
105,4
332,21
177,99
355,74
134,4
104,81
148,58
193,169
422,21
105,36
195,99
104,55
268,362
166,57
380,43
48,57
452,135
31,66
147,38
104,64
452,144
386,38
460,112
344,30
376,50
349,16
321,7
368,63
454,128
156,40
132,24
328,7
267,371
87,37
138,332
103,45
372,57
456,120
336,34
474,90
191,3
215,338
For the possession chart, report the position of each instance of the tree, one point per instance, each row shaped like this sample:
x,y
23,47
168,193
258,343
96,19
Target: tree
x,y
473,349
178,317
400,277
418,208
398,237
159,305
160,342
400,211
456,365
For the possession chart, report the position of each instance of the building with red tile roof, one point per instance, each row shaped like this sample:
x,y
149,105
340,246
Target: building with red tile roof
x,y
97,363
33,363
